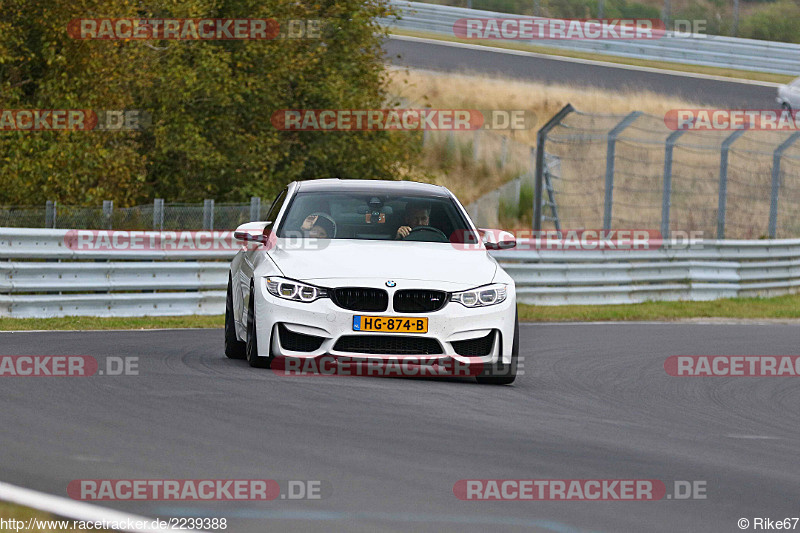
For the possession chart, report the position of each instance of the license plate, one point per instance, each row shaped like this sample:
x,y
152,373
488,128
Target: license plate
x,y
390,324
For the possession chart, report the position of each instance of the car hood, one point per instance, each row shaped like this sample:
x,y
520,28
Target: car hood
x,y
387,260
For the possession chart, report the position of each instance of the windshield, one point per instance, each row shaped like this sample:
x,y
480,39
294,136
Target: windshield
x,y
359,215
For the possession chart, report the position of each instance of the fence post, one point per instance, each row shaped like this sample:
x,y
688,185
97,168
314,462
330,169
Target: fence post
x,y
50,214
723,181
608,201
425,136
776,182
541,137
255,209
108,211
476,145
533,164
666,198
158,214
208,215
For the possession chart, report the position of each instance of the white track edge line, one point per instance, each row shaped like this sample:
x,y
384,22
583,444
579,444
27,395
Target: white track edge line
x,y
67,508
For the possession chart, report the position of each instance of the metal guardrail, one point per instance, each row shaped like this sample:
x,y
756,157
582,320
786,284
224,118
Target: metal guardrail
x,y
694,49
41,275
38,278
707,270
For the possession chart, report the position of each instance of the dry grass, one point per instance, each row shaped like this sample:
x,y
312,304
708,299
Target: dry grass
x,y
42,521
581,149
478,91
448,160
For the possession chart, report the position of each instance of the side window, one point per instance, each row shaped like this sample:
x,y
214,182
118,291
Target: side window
x,y
275,208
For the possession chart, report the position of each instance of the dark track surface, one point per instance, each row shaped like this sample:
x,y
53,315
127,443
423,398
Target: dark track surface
x,y
595,402
551,70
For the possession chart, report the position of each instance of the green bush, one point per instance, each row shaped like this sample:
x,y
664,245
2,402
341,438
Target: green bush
x,y
777,22
210,103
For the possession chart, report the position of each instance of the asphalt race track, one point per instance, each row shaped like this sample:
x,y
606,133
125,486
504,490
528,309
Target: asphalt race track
x,y
595,403
445,58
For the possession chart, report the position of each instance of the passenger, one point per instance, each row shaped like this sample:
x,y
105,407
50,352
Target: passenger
x,y
319,226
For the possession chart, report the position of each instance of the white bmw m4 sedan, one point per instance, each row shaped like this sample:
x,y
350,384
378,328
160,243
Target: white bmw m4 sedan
x,y
372,270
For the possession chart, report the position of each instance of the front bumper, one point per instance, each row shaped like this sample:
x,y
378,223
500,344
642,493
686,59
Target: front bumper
x,y
324,319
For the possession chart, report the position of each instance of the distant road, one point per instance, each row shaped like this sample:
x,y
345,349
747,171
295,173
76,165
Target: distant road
x,y
455,57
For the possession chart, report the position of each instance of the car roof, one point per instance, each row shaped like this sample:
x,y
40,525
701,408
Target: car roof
x,y
372,186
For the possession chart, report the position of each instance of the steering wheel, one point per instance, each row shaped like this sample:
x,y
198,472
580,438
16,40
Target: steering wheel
x,y
421,232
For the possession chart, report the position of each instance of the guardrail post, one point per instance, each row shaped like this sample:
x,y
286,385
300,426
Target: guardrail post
x,y
158,214
723,181
776,182
255,209
666,198
541,137
608,202
108,211
208,215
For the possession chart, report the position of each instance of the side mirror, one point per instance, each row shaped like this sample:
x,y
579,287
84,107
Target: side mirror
x,y
495,239
253,232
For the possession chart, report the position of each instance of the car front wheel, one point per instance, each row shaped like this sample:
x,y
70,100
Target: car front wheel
x,y
252,337
234,348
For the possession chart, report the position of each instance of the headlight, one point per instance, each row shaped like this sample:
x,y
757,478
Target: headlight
x,y
481,296
289,289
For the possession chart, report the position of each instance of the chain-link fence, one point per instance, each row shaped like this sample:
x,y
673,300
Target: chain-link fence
x,y
631,171
159,215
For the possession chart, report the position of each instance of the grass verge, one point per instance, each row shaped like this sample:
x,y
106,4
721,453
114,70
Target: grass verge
x,y
778,307
100,323
42,522
667,65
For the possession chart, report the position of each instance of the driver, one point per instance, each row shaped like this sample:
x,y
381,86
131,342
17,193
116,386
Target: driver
x,y
416,214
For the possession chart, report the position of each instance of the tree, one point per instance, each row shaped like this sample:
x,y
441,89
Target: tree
x,y
210,102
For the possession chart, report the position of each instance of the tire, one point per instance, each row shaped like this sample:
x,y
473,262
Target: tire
x,y
234,348
499,373
252,338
